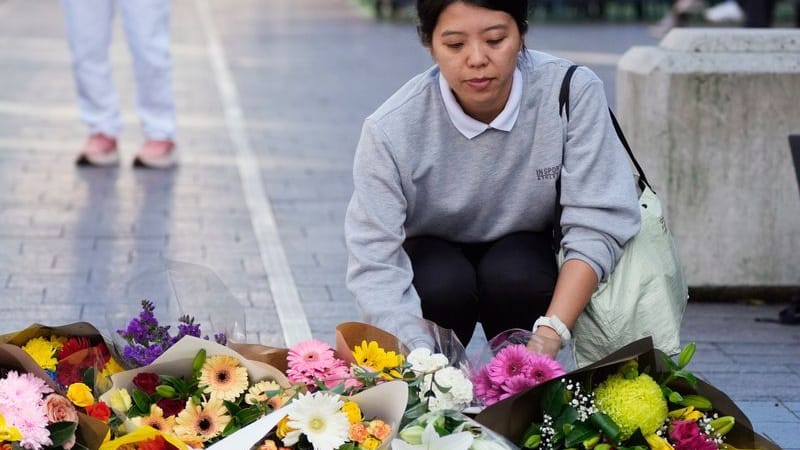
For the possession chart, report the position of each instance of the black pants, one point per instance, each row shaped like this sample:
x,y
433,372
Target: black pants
x,y
503,284
759,13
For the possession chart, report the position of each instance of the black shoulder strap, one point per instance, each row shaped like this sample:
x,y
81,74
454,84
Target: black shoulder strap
x,y
563,108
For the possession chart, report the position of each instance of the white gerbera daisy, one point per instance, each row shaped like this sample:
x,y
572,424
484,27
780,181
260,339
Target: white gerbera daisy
x,y
319,417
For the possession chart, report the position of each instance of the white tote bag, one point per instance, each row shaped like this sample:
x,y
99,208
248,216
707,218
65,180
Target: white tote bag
x,y
646,294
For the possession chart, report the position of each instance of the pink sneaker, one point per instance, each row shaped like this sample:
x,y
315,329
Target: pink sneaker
x,y
99,151
156,154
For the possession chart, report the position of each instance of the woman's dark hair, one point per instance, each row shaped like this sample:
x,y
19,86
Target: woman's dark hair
x,y
428,12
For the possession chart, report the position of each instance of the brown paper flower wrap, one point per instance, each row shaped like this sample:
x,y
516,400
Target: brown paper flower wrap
x,y
90,432
512,417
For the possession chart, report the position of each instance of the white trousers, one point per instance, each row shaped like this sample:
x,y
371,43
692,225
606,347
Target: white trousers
x,y
147,29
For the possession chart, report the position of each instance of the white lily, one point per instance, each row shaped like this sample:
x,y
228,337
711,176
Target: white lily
x,y
432,441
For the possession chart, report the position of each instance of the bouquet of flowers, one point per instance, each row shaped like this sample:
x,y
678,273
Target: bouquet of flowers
x,y
198,391
323,420
33,415
77,361
637,398
448,430
512,368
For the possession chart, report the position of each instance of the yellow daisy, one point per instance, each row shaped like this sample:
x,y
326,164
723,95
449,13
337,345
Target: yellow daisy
x,y
43,351
155,420
260,392
205,421
222,377
370,355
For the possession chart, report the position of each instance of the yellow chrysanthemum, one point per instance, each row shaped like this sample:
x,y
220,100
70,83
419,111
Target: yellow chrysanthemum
x,y
8,433
352,411
155,420
373,357
632,404
58,341
222,377
112,367
43,351
204,421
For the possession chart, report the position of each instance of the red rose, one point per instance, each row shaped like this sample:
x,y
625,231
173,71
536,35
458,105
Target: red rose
x,y
171,406
147,382
99,410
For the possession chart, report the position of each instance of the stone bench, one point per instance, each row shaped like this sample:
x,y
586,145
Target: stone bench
x,y
708,111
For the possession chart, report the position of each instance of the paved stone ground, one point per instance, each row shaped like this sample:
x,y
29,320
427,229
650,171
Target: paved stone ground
x,y
84,244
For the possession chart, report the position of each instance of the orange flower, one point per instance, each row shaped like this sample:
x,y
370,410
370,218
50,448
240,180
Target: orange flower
x,y
379,429
357,432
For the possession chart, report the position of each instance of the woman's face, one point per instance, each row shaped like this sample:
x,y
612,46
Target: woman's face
x,y
476,49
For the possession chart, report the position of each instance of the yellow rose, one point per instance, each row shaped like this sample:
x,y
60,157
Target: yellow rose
x,y
119,400
371,443
352,411
80,394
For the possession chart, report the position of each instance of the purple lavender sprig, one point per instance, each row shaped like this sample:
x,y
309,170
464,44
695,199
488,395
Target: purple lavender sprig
x,y
147,340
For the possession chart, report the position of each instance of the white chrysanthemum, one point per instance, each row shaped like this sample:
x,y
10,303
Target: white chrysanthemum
x,y
319,417
423,361
457,397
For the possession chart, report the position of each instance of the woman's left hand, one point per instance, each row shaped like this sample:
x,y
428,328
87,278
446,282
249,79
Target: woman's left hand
x,y
546,342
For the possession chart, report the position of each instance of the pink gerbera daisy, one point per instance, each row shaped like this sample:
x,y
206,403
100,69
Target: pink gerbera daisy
x,y
311,355
544,368
509,362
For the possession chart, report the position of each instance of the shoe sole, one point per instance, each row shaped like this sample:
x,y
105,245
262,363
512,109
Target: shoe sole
x,y
85,160
167,162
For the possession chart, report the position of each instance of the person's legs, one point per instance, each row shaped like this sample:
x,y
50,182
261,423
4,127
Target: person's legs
x,y
446,284
147,28
516,278
758,13
88,24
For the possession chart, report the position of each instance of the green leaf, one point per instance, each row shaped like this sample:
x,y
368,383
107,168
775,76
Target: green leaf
x,y
675,397
579,433
88,377
553,398
607,425
569,415
247,416
141,400
61,432
686,354
532,441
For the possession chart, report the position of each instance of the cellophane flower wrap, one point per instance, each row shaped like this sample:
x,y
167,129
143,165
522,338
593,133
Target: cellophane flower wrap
x,y
79,363
324,420
198,391
448,430
636,398
508,366
437,373
162,305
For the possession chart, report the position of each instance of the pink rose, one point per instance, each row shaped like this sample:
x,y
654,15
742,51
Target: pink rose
x,y
60,409
682,430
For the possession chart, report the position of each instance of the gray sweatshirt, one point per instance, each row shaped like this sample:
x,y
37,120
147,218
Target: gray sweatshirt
x,y
415,174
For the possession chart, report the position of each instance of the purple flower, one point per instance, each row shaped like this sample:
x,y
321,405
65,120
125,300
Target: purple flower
x,y
147,340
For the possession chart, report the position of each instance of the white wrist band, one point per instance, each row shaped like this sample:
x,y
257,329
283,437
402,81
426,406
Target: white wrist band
x,y
556,324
